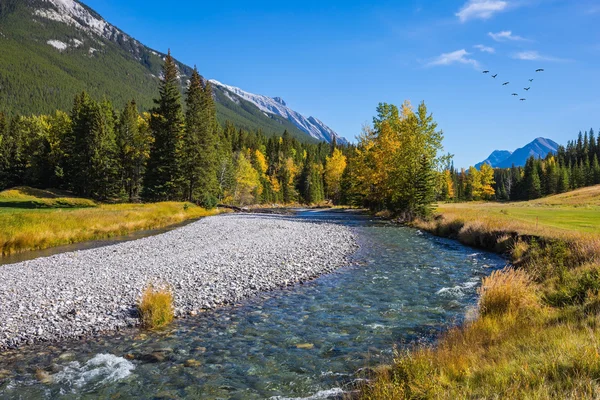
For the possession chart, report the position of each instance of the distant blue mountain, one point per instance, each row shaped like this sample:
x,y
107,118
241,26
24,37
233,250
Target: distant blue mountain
x,y
495,158
539,148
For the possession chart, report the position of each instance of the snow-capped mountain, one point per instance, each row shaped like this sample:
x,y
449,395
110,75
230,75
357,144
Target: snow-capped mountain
x,y
32,32
277,106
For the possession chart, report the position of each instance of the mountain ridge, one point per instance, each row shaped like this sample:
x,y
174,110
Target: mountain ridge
x,y
539,148
54,49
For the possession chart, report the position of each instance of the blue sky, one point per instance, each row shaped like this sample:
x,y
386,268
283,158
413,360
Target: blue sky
x,y
336,60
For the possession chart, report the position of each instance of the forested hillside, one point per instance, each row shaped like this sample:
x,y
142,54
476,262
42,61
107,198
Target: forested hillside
x,y
49,55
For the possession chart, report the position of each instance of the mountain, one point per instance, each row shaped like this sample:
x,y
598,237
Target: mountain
x,y
539,148
495,158
51,50
277,106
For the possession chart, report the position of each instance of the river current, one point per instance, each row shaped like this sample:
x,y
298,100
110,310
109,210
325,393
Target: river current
x,y
309,341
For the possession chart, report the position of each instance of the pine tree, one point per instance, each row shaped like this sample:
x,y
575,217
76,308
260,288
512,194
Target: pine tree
x,y
564,184
133,144
195,125
595,170
162,178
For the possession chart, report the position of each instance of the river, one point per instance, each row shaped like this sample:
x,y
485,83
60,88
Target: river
x,y
308,341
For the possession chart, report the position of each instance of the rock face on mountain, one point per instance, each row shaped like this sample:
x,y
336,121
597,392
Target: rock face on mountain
x,y
539,148
277,106
54,49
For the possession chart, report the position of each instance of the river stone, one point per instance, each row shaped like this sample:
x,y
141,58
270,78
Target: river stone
x,y
214,261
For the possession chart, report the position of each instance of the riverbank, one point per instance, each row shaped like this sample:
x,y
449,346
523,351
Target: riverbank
x,y
537,330
211,262
32,219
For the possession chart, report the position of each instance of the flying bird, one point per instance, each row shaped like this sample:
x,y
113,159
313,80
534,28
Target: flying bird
x,y
527,88
486,72
515,94
522,99
539,70
505,83
531,80
493,76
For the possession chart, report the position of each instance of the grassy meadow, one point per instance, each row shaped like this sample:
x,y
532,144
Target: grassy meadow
x,y
536,334
33,219
564,215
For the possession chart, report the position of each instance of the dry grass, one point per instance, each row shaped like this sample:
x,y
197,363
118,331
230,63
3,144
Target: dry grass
x,y
26,197
505,291
156,307
537,334
23,230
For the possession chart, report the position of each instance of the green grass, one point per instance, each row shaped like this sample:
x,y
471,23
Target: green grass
x,y
30,198
25,228
576,212
537,333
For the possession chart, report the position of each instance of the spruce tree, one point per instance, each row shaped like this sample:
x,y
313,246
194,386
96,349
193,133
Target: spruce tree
x,y
595,170
198,156
563,181
133,143
162,177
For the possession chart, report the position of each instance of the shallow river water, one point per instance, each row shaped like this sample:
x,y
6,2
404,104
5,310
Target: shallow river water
x,y
308,341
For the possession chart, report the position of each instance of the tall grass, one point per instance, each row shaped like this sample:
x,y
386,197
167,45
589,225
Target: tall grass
x,y
22,230
506,291
156,307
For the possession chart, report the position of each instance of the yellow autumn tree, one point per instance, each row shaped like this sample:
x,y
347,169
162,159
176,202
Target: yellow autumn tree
x,y
247,181
487,182
474,187
448,183
334,169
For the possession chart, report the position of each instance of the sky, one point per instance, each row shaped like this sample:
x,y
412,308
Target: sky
x,y
337,59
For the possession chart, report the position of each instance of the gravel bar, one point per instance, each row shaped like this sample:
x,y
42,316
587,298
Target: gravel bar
x,y
215,261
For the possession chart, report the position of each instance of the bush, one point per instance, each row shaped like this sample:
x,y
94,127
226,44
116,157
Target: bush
x,y
507,290
208,201
156,307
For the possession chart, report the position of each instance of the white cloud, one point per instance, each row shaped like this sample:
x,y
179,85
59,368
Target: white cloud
x,y
532,55
506,35
480,9
485,49
455,57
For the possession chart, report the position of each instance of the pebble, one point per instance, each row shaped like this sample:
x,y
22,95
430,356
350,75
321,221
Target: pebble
x,y
212,262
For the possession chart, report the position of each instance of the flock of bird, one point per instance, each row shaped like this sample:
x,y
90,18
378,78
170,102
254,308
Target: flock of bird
x,y
507,83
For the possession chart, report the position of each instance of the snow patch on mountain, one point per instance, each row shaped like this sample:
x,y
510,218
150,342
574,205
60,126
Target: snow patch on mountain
x,y
57,44
277,106
74,14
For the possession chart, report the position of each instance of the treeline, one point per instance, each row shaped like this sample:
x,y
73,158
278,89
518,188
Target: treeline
x,y
173,152
574,166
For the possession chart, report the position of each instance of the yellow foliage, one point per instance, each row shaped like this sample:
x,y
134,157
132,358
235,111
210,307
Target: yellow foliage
x,y
292,169
487,180
247,181
156,307
261,162
334,168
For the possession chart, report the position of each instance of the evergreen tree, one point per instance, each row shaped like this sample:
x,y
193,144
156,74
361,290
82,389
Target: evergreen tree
x,y
595,170
564,184
162,178
133,143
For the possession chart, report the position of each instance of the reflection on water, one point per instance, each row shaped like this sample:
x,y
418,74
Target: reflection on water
x,y
303,342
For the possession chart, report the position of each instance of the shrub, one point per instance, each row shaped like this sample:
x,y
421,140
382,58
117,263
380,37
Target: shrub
x,y
156,307
507,290
208,201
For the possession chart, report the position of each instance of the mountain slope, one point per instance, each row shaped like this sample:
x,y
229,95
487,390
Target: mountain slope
x,y
538,148
53,49
495,158
277,106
